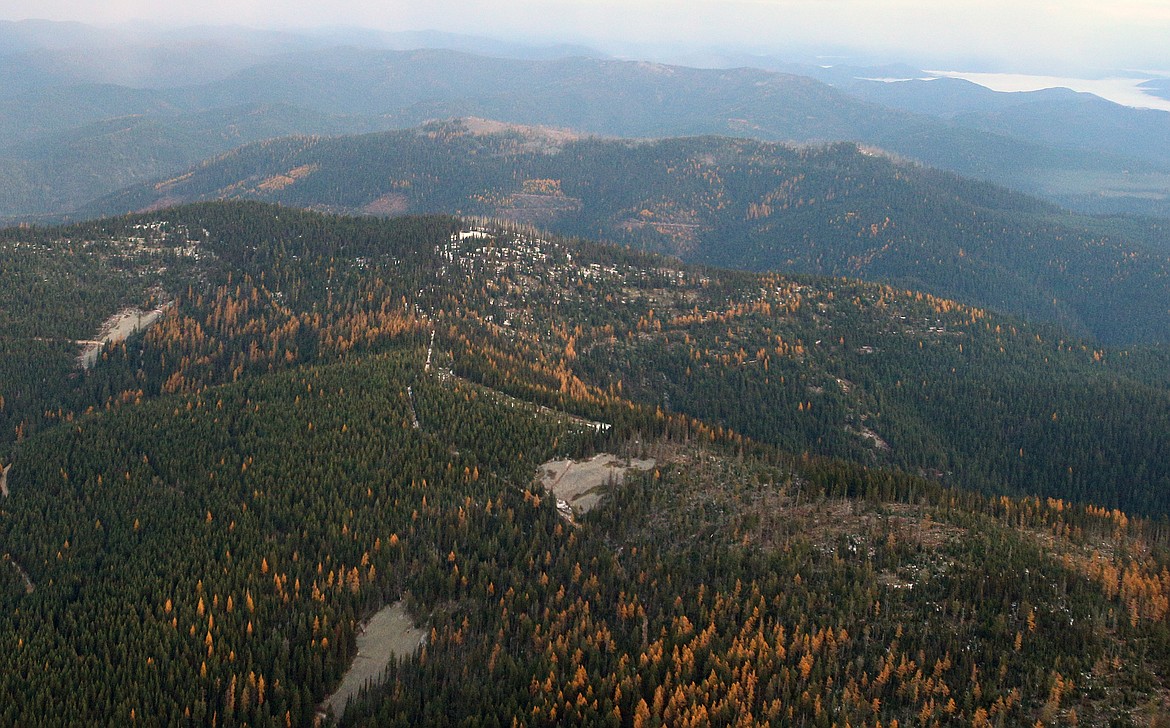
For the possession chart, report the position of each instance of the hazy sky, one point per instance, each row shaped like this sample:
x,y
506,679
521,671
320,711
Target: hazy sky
x,y
1053,35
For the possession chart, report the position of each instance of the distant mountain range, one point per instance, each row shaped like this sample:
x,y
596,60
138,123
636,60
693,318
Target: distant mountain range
x,y
837,210
1075,150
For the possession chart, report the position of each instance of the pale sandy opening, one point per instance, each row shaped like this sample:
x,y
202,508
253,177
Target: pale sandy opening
x,y
578,486
389,633
29,587
118,327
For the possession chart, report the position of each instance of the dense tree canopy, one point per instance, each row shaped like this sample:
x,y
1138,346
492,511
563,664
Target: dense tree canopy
x,y
869,505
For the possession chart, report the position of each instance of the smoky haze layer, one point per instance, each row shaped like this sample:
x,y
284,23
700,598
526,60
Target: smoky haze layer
x,y
1006,35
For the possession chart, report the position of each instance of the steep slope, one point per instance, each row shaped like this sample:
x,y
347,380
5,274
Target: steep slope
x,y
836,210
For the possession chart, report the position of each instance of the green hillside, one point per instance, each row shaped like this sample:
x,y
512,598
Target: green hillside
x,y
334,414
836,210
831,367
55,170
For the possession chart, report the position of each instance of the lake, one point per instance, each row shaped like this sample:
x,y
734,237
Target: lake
x,y
1126,91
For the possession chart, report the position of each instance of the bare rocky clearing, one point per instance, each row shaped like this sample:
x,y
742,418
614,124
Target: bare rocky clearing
x,y
578,486
118,327
29,587
390,633
391,203
543,139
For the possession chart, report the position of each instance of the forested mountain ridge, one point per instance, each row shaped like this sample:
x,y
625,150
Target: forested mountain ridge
x,y
58,92
60,168
654,100
836,210
1055,117
857,363
335,413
